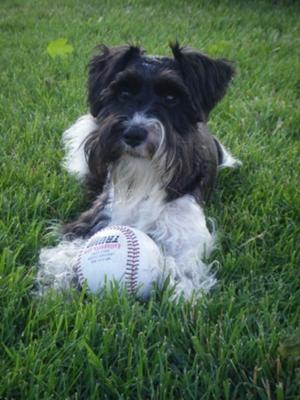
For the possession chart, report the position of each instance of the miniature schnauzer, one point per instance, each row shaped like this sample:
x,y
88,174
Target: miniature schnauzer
x,y
147,159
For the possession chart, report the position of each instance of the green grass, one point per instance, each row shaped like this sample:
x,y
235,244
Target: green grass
x,y
239,342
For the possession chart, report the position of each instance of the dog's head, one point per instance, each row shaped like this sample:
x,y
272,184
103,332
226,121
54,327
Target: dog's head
x,y
151,107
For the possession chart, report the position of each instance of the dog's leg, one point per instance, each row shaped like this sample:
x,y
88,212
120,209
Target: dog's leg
x,y
56,266
92,220
182,233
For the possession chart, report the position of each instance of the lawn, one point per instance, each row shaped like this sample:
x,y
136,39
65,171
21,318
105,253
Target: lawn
x,y
242,341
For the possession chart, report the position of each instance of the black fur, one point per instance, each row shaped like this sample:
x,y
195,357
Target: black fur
x,y
102,70
206,78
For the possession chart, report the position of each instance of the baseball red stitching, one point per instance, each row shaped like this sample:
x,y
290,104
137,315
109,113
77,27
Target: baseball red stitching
x,y
132,262
133,258
78,271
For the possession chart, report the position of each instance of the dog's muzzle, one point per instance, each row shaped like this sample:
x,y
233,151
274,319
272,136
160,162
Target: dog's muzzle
x,y
135,136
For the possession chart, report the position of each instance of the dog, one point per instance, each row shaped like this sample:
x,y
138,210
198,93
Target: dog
x,y
147,159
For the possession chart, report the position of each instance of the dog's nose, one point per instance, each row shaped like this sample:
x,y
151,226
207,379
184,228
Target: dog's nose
x,y
135,135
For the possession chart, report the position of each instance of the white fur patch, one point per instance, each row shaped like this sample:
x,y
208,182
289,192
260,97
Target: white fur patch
x,y
56,265
182,233
228,160
73,141
138,193
139,118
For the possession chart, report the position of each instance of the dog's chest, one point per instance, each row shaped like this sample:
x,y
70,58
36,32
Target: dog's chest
x,y
137,195
141,213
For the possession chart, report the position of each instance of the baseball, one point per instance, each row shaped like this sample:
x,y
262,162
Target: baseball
x,y
120,254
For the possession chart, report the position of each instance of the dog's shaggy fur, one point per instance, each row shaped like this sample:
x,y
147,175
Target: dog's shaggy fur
x,y
147,159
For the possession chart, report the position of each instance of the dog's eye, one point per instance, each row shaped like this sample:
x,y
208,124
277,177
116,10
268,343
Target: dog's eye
x,y
125,94
170,99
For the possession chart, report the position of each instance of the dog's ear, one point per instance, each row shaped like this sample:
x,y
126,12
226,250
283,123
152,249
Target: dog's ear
x,y
206,78
103,67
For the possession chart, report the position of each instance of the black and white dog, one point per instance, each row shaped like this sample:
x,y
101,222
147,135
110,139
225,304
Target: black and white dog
x,y
146,156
